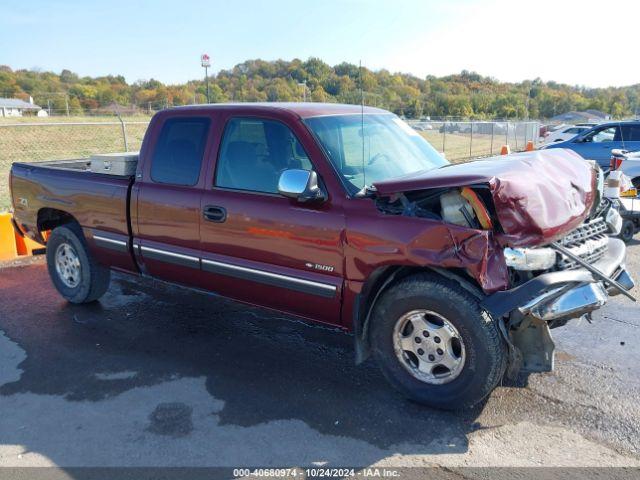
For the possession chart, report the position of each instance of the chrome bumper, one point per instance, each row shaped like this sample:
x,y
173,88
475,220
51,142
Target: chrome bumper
x,y
575,302
565,294
624,279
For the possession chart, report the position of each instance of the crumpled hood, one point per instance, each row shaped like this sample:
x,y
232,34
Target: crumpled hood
x,y
539,196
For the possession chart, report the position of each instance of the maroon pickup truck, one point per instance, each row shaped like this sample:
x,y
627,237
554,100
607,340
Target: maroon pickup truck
x,y
450,276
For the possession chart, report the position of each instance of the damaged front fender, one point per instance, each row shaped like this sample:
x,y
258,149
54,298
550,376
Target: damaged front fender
x,y
407,241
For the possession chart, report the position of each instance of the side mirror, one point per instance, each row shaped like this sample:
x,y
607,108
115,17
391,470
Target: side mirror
x,y
301,185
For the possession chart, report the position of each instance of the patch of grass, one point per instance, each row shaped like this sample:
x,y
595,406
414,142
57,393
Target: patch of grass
x,y
461,147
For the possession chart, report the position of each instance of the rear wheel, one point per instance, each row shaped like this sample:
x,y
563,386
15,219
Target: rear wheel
x,y
435,344
73,270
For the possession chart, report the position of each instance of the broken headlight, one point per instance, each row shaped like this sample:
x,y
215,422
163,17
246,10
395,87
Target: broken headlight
x,y
530,258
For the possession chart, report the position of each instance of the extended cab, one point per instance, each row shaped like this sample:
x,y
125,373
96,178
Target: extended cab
x,y
449,275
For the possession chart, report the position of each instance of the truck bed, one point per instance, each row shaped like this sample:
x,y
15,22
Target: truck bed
x,y
98,201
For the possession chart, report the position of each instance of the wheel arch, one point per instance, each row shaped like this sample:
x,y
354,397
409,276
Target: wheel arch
x,y
383,278
50,218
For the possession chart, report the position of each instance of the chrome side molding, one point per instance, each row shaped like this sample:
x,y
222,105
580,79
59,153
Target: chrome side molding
x,y
269,278
111,243
231,270
171,257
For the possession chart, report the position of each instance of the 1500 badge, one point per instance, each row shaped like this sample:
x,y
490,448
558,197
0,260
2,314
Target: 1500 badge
x,y
317,266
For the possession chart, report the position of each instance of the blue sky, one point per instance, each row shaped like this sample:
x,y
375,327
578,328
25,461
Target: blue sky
x,y
588,42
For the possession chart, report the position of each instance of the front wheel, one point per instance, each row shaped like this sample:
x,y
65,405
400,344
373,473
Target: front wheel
x,y
73,270
435,344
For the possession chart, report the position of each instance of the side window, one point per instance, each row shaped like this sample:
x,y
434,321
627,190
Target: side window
x,y
254,152
630,133
603,135
177,158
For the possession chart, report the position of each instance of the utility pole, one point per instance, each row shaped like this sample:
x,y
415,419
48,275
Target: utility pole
x,y
205,61
66,102
304,90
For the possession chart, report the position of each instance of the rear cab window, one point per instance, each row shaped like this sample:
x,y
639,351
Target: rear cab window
x,y
177,159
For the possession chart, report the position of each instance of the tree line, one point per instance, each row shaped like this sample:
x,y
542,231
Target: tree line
x,y
464,95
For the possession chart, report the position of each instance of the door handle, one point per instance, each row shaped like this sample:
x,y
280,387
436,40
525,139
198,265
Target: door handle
x,y
214,213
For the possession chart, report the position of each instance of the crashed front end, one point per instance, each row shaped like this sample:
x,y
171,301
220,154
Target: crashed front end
x,y
550,288
545,213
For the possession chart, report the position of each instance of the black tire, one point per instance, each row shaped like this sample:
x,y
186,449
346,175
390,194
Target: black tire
x,y
636,182
627,231
93,280
486,353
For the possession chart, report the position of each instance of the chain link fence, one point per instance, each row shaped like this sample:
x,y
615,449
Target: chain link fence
x,y
465,140
30,140
35,141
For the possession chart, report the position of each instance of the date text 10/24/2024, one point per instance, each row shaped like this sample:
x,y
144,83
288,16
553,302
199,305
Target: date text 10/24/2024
x,y
316,472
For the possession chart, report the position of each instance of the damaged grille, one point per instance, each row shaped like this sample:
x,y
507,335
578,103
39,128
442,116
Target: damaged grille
x,y
589,242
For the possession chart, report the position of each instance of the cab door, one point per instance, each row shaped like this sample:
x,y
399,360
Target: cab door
x,y
258,246
167,197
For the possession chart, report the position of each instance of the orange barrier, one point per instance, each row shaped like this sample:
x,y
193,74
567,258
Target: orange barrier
x,y
8,250
505,150
13,245
530,147
26,246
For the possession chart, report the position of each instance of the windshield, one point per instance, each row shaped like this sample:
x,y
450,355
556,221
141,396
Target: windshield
x,y
366,149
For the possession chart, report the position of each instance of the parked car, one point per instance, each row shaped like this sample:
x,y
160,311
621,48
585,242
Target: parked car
x,y
422,126
448,275
566,132
623,183
546,130
597,142
628,163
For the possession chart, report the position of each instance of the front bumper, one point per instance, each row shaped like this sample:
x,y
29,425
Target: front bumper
x,y
564,294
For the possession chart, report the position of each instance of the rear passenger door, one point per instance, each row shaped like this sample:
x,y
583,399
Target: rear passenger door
x,y
167,236
258,246
630,136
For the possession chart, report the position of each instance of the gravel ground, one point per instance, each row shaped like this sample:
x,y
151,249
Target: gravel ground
x,y
154,375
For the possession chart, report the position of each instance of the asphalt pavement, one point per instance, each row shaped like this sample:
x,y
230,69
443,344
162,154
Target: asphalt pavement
x,y
156,375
